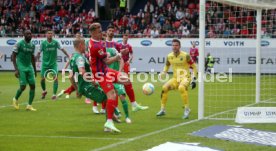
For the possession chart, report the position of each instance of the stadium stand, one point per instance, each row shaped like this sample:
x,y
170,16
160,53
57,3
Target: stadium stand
x,y
148,18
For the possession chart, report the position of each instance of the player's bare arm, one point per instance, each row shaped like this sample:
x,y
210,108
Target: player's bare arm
x,y
112,59
65,52
16,73
33,63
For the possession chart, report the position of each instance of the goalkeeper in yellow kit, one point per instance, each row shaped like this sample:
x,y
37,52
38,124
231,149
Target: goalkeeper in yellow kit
x,y
181,63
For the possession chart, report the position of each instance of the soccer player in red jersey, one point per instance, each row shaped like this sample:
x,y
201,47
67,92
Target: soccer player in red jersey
x,y
102,74
113,48
129,55
194,53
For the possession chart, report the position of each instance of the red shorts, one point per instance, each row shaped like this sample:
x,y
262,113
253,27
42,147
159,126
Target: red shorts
x,y
126,68
106,81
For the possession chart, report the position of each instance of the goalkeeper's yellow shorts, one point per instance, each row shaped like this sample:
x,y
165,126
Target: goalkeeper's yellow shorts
x,y
175,82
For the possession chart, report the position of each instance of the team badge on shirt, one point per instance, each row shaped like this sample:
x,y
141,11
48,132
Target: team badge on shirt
x,y
101,52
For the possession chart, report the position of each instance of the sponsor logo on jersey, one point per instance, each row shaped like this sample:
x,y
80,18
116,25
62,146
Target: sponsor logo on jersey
x,y
11,42
146,42
101,52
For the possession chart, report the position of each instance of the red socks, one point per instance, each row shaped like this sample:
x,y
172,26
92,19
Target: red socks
x,y
70,90
130,92
110,106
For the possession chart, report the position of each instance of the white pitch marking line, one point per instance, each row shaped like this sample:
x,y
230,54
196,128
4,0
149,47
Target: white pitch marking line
x,y
145,135
161,130
35,102
4,106
66,137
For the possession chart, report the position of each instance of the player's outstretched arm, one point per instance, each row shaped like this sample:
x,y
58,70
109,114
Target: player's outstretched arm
x,y
65,52
110,60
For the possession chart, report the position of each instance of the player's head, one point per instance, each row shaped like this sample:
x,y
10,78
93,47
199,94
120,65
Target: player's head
x,y
79,45
103,35
78,35
96,31
176,45
208,54
193,44
110,31
49,34
125,38
28,35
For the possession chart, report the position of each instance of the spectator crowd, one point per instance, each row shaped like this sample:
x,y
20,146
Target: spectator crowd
x,y
157,19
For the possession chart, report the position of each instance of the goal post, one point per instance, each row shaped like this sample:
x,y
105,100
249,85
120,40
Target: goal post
x,y
254,80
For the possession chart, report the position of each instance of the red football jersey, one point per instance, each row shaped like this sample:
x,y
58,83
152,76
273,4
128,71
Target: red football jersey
x,y
193,53
112,44
97,54
126,56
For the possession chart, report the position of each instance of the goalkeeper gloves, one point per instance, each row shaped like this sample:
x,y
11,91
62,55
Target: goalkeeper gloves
x,y
193,83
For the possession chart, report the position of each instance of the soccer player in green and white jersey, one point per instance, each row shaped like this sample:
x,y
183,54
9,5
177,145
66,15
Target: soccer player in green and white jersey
x,y
85,84
25,70
49,49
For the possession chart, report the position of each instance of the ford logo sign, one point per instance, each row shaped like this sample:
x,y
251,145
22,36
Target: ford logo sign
x,y
264,43
168,42
120,41
11,42
146,42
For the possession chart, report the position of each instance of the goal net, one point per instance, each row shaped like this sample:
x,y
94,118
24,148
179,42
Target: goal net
x,y
232,40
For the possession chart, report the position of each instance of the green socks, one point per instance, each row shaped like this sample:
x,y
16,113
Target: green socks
x,y
55,88
43,85
31,96
125,107
18,93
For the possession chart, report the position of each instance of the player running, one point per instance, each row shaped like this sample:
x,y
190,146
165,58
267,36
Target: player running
x,y
181,62
49,62
25,70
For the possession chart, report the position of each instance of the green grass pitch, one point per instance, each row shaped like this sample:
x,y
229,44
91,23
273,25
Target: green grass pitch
x,y
70,125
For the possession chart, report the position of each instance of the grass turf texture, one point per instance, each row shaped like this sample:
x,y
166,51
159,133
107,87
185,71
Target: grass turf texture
x,y
69,124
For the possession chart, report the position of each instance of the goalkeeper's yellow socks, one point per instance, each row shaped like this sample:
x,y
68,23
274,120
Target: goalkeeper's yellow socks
x,y
184,95
164,98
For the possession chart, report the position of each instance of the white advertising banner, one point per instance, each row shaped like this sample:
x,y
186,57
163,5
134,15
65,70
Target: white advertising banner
x,y
149,54
256,115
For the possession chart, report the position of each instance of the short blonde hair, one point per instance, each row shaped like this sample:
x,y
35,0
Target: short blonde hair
x,y
78,41
94,26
